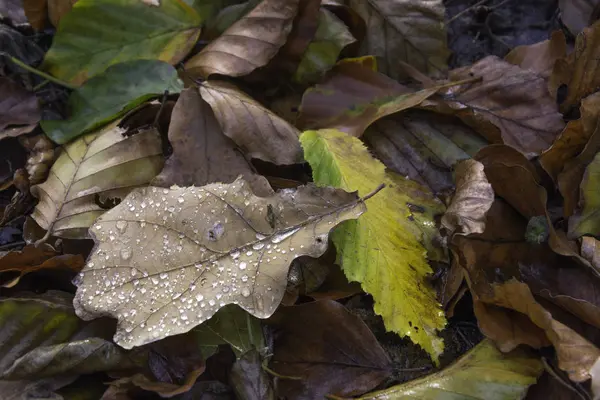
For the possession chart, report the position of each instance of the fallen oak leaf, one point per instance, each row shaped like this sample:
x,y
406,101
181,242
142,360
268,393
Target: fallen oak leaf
x,y
472,200
209,247
510,105
110,95
247,44
163,33
32,258
202,154
367,247
255,129
96,164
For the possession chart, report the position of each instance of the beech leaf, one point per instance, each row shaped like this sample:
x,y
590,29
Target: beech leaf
x,y
367,247
168,259
256,129
104,164
247,44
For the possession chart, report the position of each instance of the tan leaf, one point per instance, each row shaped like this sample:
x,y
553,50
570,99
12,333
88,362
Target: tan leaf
x,y
510,105
32,258
540,57
167,259
247,44
405,30
40,157
103,164
258,131
58,8
201,153
36,12
573,138
580,71
472,200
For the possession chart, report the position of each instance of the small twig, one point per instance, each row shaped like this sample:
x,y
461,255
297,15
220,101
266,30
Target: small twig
x,y
270,371
38,72
466,10
43,240
373,193
41,85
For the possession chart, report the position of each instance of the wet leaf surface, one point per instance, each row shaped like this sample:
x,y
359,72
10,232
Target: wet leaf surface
x,y
238,252
327,350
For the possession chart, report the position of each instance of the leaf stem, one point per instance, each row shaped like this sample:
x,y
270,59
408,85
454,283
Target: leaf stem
x,y
38,72
373,193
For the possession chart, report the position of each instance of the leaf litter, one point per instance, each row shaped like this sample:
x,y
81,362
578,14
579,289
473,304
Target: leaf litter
x,y
198,167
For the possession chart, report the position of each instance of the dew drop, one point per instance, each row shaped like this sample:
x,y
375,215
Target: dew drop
x,y
282,236
121,226
180,200
126,254
258,246
211,302
164,275
235,254
199,297
245,292
243,265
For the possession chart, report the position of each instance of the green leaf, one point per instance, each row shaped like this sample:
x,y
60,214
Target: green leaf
x,y
483,373
587,220
230,325
110,95
382,250
331,37
97,34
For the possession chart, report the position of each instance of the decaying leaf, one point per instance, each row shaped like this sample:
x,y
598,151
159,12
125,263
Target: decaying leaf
x,y
330,349
40,157
353,96
249,379
111,94
247,44
32,258
95,35
36,12
578,14
587,220
202,154
366,247
483,373
510,105
472,200
13,11
58,9
540,57
257,130
405,30
230,325
573,138
322,53
98,166
17,107
590,250
423,146
169,259
580,71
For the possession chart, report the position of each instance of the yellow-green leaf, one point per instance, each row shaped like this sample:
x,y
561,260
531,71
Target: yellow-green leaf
x,y
382,250
97,34
587,220
98,166
484,373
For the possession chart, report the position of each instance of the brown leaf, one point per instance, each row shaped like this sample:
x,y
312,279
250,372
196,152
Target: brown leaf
x,y
540,57
405,30
40,158
423,146
249,380
258,131
510,105
472,200
330,349
352,96
573,138
580,72
202,154
32,258
59,8
17,107
249,43
514,179
36,12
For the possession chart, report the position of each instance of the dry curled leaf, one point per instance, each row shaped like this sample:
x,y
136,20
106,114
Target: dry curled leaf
x,y
247,44
580,71
98,166
510,105
202,154
405,30
540,57
258,131
168,259
40,158
472,200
